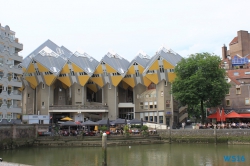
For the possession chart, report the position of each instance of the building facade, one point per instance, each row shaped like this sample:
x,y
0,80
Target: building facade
x,y
10,77
236,62
59,83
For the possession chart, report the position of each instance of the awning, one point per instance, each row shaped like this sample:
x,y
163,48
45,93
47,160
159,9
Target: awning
x,y
212,116
245,115
233,114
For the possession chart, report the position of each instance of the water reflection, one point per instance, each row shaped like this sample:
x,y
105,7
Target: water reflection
x,y
141,155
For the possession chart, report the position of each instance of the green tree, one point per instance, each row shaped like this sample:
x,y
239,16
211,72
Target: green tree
x,y
200,79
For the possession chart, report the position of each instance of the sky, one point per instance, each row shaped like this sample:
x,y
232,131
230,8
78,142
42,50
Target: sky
x,y
126,27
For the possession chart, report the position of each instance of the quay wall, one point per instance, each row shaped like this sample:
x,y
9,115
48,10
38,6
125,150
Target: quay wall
x,y
16,135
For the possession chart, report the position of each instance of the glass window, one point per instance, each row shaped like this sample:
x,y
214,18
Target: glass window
x,y
155,104
151,118
167,103
146,118
227,102
246,101
160,119
141,105
155,120
145,105
238,91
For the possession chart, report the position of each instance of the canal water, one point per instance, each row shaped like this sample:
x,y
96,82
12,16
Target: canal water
x,y
139,155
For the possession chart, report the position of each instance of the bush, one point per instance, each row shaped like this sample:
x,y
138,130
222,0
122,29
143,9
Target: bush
x,y
103,128
144,128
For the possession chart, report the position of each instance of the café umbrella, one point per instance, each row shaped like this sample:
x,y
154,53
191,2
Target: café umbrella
x,y
66,118
68,123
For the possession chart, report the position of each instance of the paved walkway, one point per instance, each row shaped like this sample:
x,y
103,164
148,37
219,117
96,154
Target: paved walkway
x,y
11,164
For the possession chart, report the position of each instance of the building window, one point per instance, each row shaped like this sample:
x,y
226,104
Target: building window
x,y
155,118
146,105
137,74
28,95
43,86
1,88
167,103
238,91
228,93
141,105
43,103
228,102
161,69
146,118
151,118
166,83
1,102
60,97
247,101
160,119
236,73
155,104
151,106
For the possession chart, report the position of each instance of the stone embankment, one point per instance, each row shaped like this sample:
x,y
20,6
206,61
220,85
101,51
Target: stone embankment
x,y
15,136
113,140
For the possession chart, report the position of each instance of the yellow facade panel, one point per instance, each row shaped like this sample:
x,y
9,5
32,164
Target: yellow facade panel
x,y
171,77
110,69
167,65
65,80
125,85
65,69
49,79
116,80
98,70
83,79
76,68
146,81
41,68
93,87
153,77
32,80
129,81
31,69
141,69
154,66
32,86
131,70
24,69
64,86
97,80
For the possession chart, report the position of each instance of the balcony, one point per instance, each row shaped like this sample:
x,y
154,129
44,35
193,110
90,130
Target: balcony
x,y
77,108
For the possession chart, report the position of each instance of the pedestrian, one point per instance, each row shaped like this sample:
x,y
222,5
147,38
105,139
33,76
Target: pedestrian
x,y
183,125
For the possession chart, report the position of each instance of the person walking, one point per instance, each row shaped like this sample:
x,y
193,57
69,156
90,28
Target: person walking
x,y
183,125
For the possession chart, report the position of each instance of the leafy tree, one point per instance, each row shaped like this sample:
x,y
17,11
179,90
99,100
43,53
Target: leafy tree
x,y
199,79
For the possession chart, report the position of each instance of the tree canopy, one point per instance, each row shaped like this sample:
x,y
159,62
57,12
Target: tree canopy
x,y
200,79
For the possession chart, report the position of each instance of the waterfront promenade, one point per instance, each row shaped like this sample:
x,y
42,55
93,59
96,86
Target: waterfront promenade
x,y
11,164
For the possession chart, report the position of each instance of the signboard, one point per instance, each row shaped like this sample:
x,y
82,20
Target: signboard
x,y
168,113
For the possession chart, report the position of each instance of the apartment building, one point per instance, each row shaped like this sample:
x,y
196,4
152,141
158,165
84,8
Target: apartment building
x,y
236,62
10,77
59,83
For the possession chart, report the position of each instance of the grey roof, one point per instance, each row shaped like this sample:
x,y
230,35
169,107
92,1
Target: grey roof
x,y
117,62
84,61
47,43
54,64
26,61
169,55
141,59
66,53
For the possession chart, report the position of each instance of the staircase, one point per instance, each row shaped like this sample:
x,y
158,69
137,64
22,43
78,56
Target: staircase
x,y
183,115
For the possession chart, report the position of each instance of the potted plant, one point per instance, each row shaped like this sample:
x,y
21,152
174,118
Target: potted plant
x,y
144,129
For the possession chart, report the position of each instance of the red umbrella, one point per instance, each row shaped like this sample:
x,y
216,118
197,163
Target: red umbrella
x,y
218,115
223,115
233,114
213,116
78,123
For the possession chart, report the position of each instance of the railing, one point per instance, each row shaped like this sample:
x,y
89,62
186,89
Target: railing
x,y
79,107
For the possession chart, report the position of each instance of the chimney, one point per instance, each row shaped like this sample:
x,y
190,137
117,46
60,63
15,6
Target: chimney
x,y
224,52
